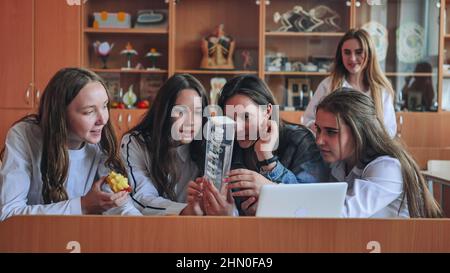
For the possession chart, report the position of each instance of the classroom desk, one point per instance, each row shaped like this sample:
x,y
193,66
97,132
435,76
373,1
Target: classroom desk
x,y
441,181
221,234
442,178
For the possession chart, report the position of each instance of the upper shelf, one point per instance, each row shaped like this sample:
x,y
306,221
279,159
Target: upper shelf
x,y
224,72
131,71
302,73
304,34
296,73
127,30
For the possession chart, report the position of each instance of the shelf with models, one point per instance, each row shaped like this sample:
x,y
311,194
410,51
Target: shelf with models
x,y
116,22
203,33
116,61
126,31
284,15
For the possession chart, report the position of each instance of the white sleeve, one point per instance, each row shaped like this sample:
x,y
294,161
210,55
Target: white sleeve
x,y
381,184
390,120
309,117
15,181
144,191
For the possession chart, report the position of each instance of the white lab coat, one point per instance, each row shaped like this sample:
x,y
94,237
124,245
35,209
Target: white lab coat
x,y
324,88
374,191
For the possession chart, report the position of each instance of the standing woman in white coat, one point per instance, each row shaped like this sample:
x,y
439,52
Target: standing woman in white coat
x,y
356,66
383,180
55,162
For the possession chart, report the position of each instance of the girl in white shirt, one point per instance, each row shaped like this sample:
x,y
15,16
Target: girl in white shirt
x,y
51,159
384,181
164,151
356,66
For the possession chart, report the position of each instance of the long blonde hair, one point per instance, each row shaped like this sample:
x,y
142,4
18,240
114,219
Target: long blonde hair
x,y
357,111
373,76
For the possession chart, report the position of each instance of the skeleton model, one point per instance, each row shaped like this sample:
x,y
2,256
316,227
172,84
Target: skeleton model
x,y
319,18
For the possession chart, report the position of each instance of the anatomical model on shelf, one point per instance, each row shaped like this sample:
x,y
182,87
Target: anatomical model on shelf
x,y
217,50
153,55
128,52
319,19
102,49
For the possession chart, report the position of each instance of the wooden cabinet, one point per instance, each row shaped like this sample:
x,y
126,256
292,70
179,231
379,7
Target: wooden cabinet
x,y
142,40
40,38
57,40
52,34
125,120
296,50
16,66
425,135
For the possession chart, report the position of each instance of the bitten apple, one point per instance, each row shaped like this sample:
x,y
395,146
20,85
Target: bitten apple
x,y
118,182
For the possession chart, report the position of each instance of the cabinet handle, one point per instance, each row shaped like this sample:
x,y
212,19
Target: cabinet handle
x,y
129,122
28,93
358,4
399,129
119,122
348,3
38,95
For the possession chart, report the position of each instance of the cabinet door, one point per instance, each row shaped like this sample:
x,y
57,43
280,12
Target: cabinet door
x,y
118,120
133,117
124,120
8,117
57,40
292,116
16,65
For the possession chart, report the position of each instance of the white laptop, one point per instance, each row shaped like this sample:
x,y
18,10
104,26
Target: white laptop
x,y
321,200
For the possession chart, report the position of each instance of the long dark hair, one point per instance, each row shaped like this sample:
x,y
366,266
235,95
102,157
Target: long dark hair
x,y
373,76
155,129
248,85
255,89
51,118
372,140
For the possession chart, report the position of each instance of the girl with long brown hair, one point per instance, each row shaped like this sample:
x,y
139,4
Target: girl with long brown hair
x,y
383,179
55,161
356,66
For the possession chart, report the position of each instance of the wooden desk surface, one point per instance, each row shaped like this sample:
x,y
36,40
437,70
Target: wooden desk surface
x,y
221,234
441,177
